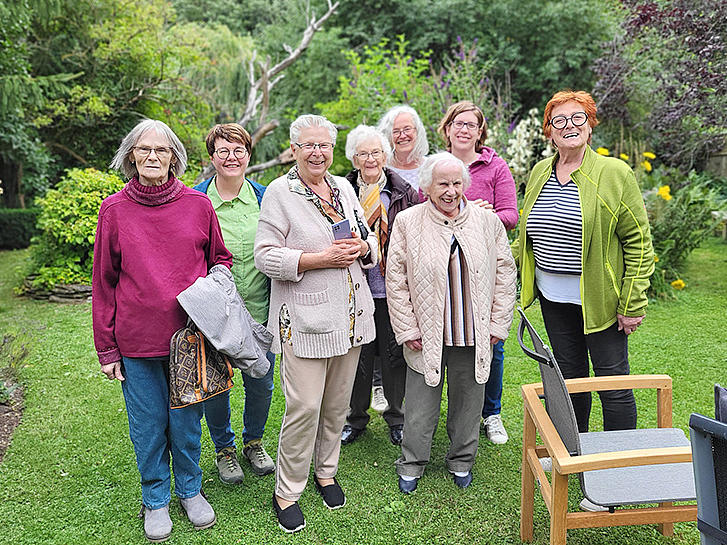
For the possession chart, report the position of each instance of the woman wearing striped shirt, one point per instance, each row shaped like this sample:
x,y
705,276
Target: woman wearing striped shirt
x,y
585,250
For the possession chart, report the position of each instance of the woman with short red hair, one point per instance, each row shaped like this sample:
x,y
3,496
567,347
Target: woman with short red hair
x,y
584,249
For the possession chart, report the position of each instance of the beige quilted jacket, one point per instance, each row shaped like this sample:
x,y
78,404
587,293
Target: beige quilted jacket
x,y
416,276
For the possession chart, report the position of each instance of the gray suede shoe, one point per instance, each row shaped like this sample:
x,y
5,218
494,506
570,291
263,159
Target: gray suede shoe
x,y
157,524
199,511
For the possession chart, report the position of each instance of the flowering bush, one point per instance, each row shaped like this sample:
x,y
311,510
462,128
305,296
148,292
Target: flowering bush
x,y
680,214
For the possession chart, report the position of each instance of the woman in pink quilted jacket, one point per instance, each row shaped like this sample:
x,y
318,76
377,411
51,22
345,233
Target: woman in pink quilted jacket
x,y
450,282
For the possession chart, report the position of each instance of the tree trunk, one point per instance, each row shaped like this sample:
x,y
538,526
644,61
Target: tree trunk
x,y
11,174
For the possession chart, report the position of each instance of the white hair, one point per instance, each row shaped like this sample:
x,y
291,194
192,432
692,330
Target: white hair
x,y
122,162
427,169
309,120
365,132
386,126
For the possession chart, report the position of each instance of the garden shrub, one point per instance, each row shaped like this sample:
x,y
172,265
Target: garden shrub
x,y
63,251
680,214
17,227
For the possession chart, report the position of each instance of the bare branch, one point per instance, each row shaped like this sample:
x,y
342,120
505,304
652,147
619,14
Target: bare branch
x,y
282,159
263,130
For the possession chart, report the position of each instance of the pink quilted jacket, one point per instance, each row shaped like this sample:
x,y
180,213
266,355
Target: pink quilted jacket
x,y
416,276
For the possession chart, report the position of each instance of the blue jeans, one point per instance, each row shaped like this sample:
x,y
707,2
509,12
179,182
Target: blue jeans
x,y
258,394
493,387
156,431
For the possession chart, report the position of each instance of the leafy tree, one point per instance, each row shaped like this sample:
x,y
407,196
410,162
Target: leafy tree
x,y
663,77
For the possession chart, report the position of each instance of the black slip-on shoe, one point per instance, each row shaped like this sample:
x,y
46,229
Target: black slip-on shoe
x,y
291,518
333,496
406,486
349,434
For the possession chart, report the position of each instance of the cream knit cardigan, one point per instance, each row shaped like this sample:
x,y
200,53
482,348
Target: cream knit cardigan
x,y
317,299
417,274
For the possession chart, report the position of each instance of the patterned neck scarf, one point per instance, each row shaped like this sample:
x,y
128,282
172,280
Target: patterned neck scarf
x,y
375,212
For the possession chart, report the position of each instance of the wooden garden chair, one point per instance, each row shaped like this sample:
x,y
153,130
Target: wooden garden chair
x,y
615,468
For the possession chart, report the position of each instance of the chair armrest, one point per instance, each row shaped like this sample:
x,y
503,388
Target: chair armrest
x,y
622,458
618,382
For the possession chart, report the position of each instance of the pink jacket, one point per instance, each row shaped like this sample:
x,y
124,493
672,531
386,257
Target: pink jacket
x,y
416,277
493,182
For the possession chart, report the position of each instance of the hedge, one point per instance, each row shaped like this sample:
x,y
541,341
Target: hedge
x,y
17,227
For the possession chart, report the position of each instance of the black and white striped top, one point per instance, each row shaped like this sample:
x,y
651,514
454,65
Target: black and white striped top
x,y
555,227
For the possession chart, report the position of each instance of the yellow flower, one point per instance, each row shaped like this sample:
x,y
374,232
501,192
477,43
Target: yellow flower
x,y
649,155
647,166
603,151
656,259
624,156
664,192
521,212
678,284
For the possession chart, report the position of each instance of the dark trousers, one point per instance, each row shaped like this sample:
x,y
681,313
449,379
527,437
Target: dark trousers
x,y
393,374
609,356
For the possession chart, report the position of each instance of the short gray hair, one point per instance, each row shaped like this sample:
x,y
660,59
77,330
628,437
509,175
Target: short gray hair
x,y
427,169
121,160
365,132
386,126
309,120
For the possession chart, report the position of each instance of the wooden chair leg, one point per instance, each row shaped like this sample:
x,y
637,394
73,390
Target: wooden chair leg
x,y
558,508
666,528
527,489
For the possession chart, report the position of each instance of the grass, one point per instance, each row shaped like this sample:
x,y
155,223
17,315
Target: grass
x,y
70,477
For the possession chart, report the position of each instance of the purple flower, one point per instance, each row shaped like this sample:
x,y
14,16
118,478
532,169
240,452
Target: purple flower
x,y
511,127
409,61
460,55
406,98
387,66
393,91
459,39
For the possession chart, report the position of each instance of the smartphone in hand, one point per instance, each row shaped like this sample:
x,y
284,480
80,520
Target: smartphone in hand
x,y
341,230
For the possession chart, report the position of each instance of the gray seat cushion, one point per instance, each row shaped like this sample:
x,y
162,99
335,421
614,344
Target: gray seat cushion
x,y
641,484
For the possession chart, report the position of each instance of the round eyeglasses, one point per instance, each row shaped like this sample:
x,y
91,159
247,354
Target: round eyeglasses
x,y
578,119
224,153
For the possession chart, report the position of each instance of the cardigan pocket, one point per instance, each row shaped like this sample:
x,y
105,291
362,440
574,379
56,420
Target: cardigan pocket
x,y
312,312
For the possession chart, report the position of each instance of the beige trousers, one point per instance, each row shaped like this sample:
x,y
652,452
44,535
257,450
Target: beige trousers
x,y
317,394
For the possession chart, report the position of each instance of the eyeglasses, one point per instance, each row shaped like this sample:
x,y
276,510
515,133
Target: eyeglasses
x,y
376,154
310,146
144,151
224,153
459,124
578,119
406,130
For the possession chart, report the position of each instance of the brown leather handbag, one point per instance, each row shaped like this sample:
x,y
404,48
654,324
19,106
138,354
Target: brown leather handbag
x,y
197,371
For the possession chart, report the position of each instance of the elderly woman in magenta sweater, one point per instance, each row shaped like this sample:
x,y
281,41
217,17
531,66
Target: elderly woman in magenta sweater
x,y
321,311
464,131
154,238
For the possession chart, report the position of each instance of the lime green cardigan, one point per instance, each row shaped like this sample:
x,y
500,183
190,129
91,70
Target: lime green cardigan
x,y
617,255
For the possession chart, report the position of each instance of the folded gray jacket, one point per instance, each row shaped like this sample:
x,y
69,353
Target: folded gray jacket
x,y
219,312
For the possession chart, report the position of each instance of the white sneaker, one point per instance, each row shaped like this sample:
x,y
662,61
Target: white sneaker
x,y
495,429
546,463
378,401
587,505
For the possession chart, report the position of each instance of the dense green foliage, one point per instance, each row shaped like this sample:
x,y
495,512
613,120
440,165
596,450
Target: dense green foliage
x,y
663,78
17,227
680,215
63,251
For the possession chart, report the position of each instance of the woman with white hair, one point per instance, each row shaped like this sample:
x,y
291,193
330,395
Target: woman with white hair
x,y
321,312
450,285
383,194
154,238
408,138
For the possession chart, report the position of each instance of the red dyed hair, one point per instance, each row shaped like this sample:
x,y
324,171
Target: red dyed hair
x,y
561,97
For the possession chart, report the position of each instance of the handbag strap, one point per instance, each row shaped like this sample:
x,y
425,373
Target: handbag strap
x,y
202,361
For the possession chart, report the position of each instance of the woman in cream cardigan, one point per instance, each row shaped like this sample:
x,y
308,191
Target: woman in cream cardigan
x,y
450,282
321,311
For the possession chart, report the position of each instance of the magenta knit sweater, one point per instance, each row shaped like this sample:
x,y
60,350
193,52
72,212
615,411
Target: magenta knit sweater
x,y
144,255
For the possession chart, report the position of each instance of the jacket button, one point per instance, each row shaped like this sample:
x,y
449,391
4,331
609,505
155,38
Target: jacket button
x,y
436,371
359,339
357,286
360,312
446,222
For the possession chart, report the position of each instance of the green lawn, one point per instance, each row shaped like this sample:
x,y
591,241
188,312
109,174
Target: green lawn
x,y
70,476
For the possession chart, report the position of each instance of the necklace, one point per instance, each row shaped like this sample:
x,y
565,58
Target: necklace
x,y
335,201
